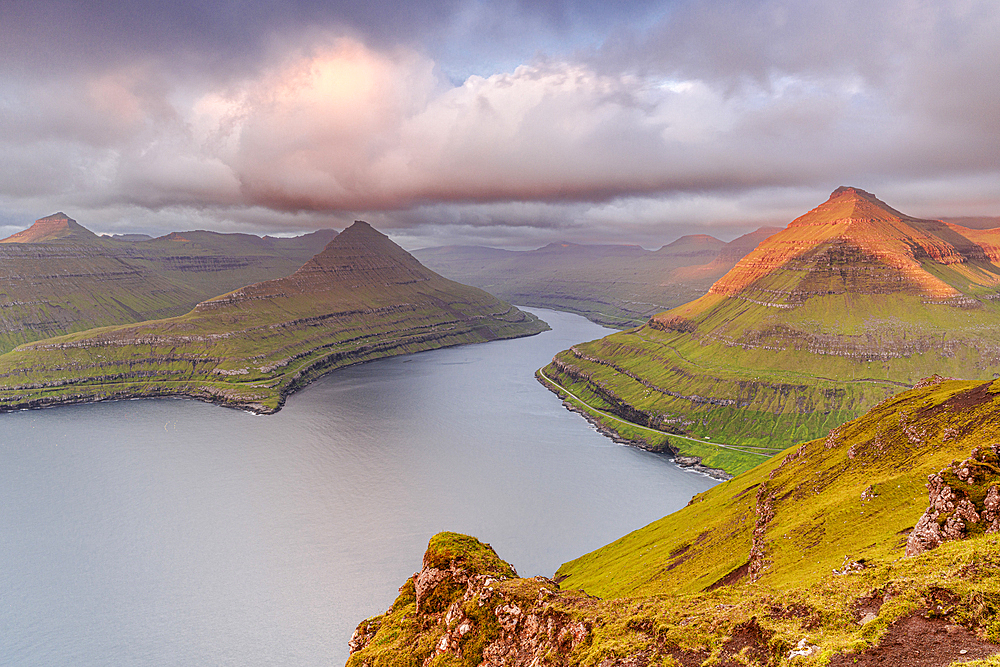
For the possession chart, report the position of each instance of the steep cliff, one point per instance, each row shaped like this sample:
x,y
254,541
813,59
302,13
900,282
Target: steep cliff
x,y
849,303
361,298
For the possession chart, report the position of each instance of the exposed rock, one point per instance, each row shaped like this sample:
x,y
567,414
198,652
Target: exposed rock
x,y
468,604
803,650
758,545
954,511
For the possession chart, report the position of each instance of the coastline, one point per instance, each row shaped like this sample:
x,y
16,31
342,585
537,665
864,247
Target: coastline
x,y
691,463
219,396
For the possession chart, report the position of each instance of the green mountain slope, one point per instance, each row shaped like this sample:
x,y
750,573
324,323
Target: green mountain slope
x,y
58,277
361,298
850,303
799,561
614,285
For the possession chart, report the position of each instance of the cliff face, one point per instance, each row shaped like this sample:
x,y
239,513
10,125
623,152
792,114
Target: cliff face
x,y
803,560
361,298
825,318
875,249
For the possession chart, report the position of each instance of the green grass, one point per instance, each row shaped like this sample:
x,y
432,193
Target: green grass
x,y
820,516
772,391
732,459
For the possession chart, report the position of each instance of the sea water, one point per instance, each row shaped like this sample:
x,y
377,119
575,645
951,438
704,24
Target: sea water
x,y
173,532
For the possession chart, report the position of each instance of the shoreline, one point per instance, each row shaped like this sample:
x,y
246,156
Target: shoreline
x,y
690,463
303,378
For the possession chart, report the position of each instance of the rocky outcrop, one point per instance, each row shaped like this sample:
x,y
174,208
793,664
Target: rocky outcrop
x,y
758,561
468,607
964,501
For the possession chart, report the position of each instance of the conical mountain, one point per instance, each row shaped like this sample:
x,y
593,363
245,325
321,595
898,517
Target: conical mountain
x,y
850,302
55,227
361,298
362,253
358,258
852,243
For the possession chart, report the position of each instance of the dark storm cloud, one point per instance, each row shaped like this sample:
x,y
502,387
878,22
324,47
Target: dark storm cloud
x,y
229,35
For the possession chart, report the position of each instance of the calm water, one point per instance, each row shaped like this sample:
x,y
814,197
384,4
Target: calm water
x,y
172,532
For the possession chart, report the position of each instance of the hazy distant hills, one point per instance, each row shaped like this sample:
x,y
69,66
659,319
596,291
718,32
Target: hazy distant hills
x,y
362,297
615,285
845,306
57,276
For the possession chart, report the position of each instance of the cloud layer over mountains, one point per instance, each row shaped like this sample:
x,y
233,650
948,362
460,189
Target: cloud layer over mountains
x,y
509,123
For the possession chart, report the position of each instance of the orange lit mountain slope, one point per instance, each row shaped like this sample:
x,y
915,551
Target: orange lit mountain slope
x,y
849,303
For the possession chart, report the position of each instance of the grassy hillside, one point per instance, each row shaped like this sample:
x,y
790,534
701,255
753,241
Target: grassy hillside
x,y
614,285
799,561
362,298
58,277
851,303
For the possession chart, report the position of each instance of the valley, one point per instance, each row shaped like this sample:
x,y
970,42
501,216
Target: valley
x,y
617,286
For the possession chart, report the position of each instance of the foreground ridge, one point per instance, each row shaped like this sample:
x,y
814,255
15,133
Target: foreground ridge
x,y
801,561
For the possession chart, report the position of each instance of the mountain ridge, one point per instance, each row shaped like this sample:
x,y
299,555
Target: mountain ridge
x,y
617,286
819,322
53,286
360,298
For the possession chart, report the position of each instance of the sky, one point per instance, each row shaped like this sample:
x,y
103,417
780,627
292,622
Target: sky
x,y
509,123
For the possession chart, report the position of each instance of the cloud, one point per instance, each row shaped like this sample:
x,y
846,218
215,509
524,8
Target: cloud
x,y
688,117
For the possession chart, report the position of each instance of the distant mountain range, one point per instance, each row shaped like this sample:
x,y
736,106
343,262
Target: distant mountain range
x,y
850,303
361,298
58,277
615,285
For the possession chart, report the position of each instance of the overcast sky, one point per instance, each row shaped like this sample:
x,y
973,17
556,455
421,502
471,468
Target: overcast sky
x,y
509,123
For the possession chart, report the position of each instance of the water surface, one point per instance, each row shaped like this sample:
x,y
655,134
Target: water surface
x,y
173,532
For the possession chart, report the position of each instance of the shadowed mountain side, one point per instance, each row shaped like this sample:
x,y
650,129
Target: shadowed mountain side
x,y
614,285
877,545
58,277
848,304
361,298
974,222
